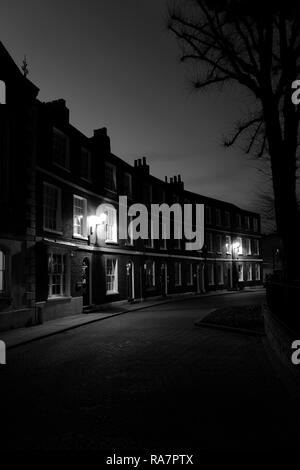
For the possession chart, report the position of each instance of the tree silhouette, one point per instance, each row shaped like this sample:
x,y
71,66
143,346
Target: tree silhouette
x,y
257,46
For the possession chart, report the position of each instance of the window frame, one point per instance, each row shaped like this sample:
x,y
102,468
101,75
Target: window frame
x,y
66,165
84,227
114,229
114,177
219,243
65,262
85,150
58,209
114,275
152,276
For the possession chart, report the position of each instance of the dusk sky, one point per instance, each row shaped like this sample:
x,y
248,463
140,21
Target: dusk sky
x,y
116,65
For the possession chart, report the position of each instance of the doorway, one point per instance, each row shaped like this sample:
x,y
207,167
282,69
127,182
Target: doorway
x,y
130,281
85,280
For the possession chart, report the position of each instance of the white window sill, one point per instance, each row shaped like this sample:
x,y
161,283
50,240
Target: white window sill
x,y
111,242
112,292
57,232
80,237
57,298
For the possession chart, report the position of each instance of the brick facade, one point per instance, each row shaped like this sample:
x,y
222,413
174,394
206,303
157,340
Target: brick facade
x,y
57,259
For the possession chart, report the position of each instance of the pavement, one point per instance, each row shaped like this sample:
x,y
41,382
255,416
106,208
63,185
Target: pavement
x,y
21,336
148,381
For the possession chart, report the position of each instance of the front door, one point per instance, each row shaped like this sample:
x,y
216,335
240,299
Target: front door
x,y
130,280
85,279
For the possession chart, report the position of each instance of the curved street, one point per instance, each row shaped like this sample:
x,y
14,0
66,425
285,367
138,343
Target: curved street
x,y
147,380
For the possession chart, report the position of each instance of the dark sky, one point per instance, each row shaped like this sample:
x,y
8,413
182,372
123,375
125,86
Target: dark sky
x,y
117,66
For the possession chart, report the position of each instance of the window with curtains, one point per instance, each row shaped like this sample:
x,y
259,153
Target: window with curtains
x,y
110,177
248,246
79,216
111,225
52,208
220,273
111,269
57,274
150,274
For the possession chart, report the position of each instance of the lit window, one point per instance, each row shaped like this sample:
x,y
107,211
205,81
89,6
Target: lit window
x,y
219,243
220,273
57,274
111,225
177,272
52,208
189,274
249,272
211,277
150,274
110,177
228,244
218,217
128,184
256,247
60,149
241,272
239,242
79,216
111,276
2,92
248,246
257,272
85,164
2,272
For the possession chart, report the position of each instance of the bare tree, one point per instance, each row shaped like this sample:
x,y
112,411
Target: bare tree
x,y
257,46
